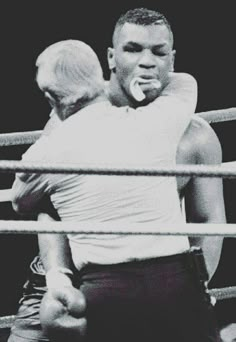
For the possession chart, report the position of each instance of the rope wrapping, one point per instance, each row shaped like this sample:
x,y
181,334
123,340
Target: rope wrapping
x,y
6,321
19,138
5,195
223,293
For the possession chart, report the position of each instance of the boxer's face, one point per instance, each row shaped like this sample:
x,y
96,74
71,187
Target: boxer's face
x,y
145,52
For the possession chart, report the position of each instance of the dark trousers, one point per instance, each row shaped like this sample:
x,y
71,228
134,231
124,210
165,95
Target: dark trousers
x,y
154,300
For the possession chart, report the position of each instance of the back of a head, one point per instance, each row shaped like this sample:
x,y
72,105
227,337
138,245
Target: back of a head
x,y
71,71
141,16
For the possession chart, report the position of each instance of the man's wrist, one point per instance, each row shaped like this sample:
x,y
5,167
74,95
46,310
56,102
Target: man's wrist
x,y
59,277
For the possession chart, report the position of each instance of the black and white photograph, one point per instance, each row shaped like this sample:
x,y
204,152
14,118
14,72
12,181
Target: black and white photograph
x,y
118,168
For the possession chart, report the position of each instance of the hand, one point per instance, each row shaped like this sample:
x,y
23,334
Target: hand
x,y
62,314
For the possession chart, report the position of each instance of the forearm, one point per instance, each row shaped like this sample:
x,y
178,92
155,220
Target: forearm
x,y
55,254
211,247
205,205
54,251
62,309
174,108
181,94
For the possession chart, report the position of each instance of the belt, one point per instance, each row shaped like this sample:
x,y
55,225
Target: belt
x,y
193,259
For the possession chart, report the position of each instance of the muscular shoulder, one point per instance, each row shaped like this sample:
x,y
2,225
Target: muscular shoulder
x,y
199,143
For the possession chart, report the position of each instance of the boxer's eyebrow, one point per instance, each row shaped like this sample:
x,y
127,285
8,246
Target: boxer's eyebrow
x,y
136,45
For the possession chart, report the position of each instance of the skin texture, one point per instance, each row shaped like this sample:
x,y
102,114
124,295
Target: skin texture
x,y
65,308
204,202
140,51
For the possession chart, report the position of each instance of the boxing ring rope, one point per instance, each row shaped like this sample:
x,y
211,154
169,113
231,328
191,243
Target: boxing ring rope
x,y
19,138
223,293
5,194
13,166
6,321
220,115
226,170
219,294
104,228
27,138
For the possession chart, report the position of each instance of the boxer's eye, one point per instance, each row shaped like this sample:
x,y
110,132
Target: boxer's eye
x,y
157,51
133,47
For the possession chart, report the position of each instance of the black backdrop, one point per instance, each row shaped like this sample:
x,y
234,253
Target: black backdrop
x,y
205,43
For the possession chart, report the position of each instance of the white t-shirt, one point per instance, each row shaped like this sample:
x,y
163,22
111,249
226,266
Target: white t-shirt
x,y
104,135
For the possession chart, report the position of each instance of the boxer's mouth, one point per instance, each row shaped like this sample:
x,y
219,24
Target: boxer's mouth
x,y
135,86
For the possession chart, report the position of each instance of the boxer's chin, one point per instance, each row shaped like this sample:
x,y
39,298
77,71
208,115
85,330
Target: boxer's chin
x,y
151,94
150,85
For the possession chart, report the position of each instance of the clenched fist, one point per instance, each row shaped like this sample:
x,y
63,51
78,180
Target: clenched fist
x,y
62,314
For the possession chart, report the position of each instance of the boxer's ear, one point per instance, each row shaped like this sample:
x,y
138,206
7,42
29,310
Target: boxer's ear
x,y
111,58
172,65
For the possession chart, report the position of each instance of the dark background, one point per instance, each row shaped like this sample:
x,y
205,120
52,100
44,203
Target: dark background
x,y
205,43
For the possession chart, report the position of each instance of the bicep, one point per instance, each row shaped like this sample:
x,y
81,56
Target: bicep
x,y
205,201
204,196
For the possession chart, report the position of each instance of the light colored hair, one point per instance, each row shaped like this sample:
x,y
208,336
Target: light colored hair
x,y
74,73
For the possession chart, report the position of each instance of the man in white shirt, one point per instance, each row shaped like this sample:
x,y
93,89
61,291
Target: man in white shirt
x,y
120,214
